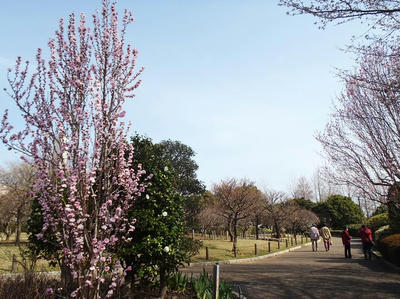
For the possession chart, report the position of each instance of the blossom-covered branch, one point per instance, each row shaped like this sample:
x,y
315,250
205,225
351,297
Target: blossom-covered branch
x,y
72,106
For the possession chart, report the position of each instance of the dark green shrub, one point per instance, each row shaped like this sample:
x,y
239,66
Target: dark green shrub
x,y
336,233
375,222
354,230
338,211
390,248
380,210
383,232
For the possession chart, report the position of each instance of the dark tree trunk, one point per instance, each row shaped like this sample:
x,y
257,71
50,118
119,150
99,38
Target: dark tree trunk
x,y
277,230
257,229
8,232
230,231
234,238
67,280
393,204
18,229
163,283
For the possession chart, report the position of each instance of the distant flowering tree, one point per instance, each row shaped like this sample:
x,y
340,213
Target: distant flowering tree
x,y
362,139
85,183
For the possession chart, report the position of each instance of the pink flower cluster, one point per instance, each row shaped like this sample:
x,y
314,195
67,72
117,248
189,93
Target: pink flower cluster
x,y
72,106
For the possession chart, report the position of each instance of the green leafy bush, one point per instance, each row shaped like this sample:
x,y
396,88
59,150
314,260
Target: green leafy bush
x,y
377,221
159,243
338,211
354,230
383,232
336,233
390,248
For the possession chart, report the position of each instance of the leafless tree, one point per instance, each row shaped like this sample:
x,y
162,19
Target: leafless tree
x,y
209,218
324,185
300,219
7,217
235,200
277,209
258,212
302,189
17,181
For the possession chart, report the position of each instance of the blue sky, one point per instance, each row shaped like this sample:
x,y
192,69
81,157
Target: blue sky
x,y
242,83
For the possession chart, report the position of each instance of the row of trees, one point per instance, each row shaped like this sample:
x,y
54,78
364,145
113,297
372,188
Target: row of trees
x,y
234,204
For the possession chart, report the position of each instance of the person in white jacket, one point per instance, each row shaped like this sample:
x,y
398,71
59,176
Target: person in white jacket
x,y
314,235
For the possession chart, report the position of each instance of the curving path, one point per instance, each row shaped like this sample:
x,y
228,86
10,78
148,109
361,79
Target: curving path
x,y
306,274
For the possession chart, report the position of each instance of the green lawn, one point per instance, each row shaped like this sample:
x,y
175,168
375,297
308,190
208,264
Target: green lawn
x,y
220,250
8,249
24,237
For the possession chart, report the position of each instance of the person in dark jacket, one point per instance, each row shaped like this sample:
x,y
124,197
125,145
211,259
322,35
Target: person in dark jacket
x,y
366,239
346,238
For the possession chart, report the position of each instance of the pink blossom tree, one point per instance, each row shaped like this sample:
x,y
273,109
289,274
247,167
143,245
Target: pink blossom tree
x,y
362,140
75,138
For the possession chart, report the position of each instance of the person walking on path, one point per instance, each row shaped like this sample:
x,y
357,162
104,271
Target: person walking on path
x,y
314,236
346,238
366,239
326,236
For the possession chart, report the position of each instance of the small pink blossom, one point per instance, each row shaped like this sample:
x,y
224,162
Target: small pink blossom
x,y
49,291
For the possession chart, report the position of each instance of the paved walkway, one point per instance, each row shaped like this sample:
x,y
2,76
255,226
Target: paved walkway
x,y
306,274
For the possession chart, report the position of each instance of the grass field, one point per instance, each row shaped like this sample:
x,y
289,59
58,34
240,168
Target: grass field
x,y
8,249
219,250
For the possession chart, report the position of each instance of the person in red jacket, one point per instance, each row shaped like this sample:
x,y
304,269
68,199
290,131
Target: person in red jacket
x,y
346,238
366,239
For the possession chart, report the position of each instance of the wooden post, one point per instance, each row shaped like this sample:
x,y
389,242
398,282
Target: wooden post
x,y
255,249
227,236
279,244
286,243
269,246
14,264
207,256
192,234
216,282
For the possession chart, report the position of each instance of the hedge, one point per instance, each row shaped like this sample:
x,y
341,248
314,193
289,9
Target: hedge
x,y
377,221
382,232
390,248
